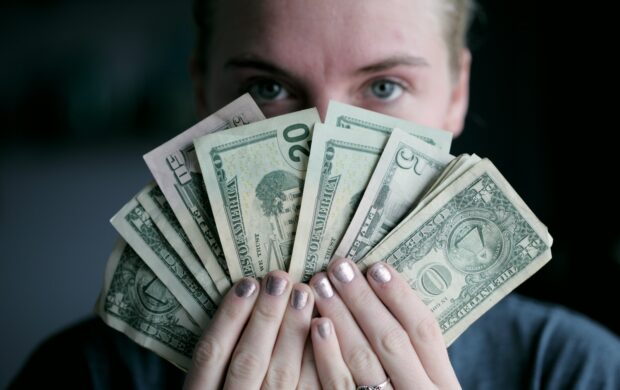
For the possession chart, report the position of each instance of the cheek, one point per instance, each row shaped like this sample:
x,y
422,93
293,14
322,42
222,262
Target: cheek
x,y
430,106
428,109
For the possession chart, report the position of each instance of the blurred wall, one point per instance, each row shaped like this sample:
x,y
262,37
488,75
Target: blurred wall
x,y
87,87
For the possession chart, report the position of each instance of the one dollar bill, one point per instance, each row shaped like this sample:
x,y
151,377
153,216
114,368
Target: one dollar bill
x,y
467,248
135,302
136,226
175,168
157,207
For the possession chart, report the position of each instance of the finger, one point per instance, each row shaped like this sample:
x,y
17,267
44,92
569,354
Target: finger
x,y
285,364
388,338
250,360
357,352
213,350
332,370
417,319
308,378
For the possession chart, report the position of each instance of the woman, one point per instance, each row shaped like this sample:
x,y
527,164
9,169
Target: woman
x,y
405,58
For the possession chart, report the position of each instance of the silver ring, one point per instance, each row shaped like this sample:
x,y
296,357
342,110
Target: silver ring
x,y
380,386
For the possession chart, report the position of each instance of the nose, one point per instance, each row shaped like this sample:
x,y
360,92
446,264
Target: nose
x,y
321,98
321,104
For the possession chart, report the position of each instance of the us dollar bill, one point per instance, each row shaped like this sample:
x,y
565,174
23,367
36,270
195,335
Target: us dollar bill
x,y
135,302
351,117
254,176
465,163
157,207
467,248
405,169
340,165
452,172
137,228
175,168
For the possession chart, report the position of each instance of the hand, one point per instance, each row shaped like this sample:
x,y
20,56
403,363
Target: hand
x,y
233,354
374,330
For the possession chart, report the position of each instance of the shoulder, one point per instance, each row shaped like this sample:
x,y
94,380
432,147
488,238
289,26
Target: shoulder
x,y
93,355
522,343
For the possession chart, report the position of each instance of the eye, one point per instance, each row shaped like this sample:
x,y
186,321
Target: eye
x,y
266,90
386,89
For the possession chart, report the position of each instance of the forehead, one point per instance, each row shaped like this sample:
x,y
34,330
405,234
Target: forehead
x,y
329,31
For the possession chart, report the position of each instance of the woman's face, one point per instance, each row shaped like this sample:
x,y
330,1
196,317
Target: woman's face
x,y
386,56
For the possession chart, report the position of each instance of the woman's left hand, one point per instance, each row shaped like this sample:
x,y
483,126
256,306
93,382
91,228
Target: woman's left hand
x,y
382,330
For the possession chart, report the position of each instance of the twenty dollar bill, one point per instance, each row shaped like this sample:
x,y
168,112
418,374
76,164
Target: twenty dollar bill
x,y
254,177
351,117
340,165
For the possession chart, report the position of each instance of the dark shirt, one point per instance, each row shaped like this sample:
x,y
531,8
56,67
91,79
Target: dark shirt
x,y
518,344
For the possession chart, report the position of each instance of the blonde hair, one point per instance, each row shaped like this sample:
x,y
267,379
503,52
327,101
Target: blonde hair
x,y
457,17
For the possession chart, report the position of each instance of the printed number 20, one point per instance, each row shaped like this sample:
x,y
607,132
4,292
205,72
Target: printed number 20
x,y
295,133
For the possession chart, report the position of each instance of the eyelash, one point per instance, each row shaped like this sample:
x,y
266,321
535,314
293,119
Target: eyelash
x,y
404,87
366,88
247,85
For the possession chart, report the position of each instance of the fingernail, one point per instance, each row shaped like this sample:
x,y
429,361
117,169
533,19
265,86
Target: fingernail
x,y
245,288
324,329
299,299
344,272
276,285
380,273
323,288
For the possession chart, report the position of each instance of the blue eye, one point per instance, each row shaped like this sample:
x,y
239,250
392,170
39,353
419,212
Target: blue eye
x,y
264,91
386,90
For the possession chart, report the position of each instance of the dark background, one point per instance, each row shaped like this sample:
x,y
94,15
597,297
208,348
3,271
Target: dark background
x,y
87,87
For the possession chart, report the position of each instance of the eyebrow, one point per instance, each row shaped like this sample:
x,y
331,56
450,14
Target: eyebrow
x,y
393,62
255,62
251,61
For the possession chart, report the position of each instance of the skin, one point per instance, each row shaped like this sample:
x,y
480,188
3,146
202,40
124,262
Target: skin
x,y
387,56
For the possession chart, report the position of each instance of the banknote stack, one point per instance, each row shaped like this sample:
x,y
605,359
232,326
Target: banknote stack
x,y
239,195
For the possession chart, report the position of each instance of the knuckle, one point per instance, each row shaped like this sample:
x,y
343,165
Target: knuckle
x,y
309,381
402,289
304,385
360,359
340,383
279,377
394,340
428,330
230,311
267,314
364,297
244,366
338,316
206,352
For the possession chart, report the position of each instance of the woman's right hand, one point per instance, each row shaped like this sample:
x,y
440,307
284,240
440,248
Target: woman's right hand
x,y
256,338
376,331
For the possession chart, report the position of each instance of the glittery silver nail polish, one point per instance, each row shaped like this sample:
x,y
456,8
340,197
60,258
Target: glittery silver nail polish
x,y
299,299
275,285
380,273
344,272
245,288
323,288
324,329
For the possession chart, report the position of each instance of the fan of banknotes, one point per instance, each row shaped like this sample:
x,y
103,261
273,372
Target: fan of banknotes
x,y
239,195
